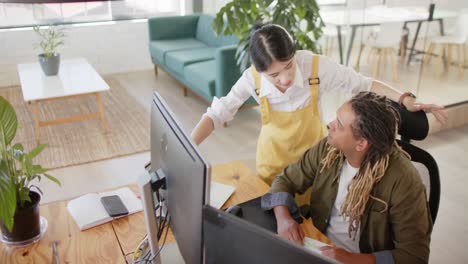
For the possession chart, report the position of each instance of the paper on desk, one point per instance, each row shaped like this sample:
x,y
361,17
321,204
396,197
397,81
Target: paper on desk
x,y
313,244
219,194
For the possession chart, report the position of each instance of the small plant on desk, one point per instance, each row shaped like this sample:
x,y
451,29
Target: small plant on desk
x,y
19,211
50,38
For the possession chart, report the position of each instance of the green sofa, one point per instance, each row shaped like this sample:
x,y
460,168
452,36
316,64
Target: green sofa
x,y
187,48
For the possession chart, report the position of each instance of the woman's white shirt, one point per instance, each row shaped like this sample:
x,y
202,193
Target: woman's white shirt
x,y
337,84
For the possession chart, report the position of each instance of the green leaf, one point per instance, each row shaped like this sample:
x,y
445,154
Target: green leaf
x,y
49,39
23,196
18,146
52,178
28,166
38,149
239,16
218,23
37,169
3,165
7,200
8,122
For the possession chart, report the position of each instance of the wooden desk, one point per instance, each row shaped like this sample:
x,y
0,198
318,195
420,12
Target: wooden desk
x,y
109,243
96,245
130,230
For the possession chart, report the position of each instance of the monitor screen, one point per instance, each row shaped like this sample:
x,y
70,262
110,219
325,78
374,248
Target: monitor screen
x,y
175,157
231,240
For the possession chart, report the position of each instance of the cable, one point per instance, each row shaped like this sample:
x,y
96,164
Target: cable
x,y
138,250
145,258
162,223
163,243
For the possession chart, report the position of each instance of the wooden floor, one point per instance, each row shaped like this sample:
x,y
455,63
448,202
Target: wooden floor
x,y
450,234
238,142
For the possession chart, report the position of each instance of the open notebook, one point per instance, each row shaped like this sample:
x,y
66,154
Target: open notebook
x,y
88,211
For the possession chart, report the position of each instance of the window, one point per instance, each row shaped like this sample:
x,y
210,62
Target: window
x,y
21,15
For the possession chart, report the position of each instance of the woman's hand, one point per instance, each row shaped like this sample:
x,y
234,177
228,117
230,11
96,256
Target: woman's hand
x,y
437,110
409,102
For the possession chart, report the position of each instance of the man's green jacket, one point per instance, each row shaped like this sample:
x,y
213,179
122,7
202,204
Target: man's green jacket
x,y
402,229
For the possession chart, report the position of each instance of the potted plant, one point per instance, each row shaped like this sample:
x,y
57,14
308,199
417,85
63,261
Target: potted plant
x,y
50,37
301,18
19,204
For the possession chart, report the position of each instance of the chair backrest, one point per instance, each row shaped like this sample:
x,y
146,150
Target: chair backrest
x,y
415,126
389,34
461,29
429,172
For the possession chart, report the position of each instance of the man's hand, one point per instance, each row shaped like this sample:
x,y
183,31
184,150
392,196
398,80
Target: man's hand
x,y
287,227
344,256
291,230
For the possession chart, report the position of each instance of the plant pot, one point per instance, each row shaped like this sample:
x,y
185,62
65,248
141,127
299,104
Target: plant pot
x,y
50,65
26,223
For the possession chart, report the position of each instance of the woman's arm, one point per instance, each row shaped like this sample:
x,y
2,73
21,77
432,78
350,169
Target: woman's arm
x,y
202,130
224,109
337,76
409,102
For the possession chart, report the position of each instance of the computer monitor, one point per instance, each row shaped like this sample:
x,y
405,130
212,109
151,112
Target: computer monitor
x,y
232,240
186,173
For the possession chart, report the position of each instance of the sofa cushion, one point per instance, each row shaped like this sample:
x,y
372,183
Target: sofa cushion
x,y
177,60
206,34
159,48
202,77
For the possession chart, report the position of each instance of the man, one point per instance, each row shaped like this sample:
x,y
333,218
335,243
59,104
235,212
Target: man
x,y
367,197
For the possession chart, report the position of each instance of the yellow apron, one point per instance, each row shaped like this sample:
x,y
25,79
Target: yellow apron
x,y
285,136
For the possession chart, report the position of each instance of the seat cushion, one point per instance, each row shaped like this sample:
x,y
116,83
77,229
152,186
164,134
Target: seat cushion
x,y
202,77
159,48
177,60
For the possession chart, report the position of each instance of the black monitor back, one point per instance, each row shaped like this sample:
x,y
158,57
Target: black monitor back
x,y
232,240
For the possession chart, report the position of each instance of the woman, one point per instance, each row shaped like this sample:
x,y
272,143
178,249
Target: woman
x,y
290,87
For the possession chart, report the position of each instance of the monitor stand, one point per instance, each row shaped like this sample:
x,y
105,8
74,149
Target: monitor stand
x,y
151,221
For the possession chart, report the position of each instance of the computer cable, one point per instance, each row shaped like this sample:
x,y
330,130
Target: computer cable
x,y
147,258
143,246
160,248
142,250
162,223
163,243
139,249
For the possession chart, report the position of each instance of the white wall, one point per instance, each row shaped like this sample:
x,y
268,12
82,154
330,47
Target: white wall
x,y
213,6
110,47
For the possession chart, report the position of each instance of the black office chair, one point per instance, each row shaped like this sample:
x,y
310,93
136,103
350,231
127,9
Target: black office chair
x,y
415,126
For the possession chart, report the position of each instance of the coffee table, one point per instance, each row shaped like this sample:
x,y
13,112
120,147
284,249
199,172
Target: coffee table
x,y
75,78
